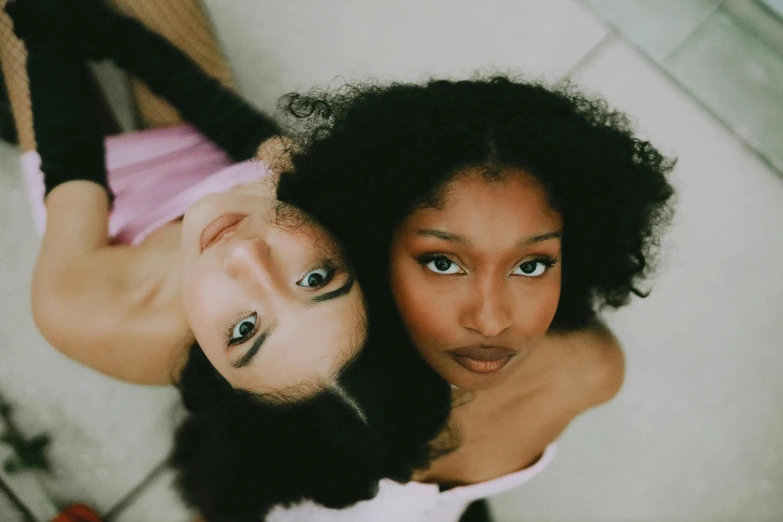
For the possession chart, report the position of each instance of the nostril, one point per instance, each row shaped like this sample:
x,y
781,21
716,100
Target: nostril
x,y
488,317
249,259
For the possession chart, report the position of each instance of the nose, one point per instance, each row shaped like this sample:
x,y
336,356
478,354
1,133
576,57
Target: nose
x,y
489,308
250,261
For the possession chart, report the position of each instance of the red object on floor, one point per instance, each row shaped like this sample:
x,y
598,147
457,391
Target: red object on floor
x,y
77,513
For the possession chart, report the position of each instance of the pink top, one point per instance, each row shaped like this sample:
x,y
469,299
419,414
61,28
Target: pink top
x,y
414,501
156,175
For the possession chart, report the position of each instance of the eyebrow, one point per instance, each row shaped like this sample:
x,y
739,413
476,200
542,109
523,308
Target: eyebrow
x,y
247,358
462,240
334,294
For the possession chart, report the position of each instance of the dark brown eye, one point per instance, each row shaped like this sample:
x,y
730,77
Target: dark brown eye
x,y
243,329
531,268
316,278
440,264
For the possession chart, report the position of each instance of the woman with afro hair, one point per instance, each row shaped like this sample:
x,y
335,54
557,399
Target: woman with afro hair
x,y
497,218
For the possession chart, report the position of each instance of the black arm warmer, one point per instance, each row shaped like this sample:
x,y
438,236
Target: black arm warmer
x,y
92,30
65,118
216,111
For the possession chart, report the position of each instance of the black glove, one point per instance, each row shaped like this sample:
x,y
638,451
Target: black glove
x,y
65,115
81,26
95,31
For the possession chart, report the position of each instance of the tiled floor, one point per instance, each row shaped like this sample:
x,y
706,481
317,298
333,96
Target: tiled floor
x,y
717,51
657,26
775,5
9,510
739,77
696,433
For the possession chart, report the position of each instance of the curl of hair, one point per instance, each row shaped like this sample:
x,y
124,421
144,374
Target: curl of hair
x,y
373,153
238,454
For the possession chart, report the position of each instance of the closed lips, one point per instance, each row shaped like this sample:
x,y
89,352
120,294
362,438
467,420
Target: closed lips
x,y
483,353
215,230
482,359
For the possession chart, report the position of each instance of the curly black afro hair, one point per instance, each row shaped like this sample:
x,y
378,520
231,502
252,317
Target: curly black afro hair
x,y
370,154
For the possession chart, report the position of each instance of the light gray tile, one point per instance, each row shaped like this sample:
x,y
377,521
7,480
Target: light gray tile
x,y
775,5
8,510
106,435
758,20
159,502
29,497
657,26
696,433
298,44
739,77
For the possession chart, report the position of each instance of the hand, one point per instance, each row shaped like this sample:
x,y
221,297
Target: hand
x,y
32,25
83,27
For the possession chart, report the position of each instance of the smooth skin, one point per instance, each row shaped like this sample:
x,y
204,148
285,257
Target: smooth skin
x,y
132,312
483,268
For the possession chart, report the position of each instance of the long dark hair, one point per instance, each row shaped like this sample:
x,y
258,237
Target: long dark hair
x,y
238,454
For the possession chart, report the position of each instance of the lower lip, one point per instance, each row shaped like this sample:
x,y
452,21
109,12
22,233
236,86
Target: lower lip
x,y
482,367
215,230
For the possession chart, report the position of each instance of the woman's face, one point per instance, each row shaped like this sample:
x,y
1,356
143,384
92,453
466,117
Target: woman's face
x,y
477,278
273,307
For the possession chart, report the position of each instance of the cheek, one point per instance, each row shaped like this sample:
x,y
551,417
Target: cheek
x,y
202,297
539,311
192,293
424,309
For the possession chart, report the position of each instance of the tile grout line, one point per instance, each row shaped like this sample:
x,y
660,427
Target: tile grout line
x,y
688,37
766,160
17,502
768,10
134,494
748,27
610,35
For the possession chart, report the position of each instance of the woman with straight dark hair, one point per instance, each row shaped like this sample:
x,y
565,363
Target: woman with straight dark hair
x,y
176,264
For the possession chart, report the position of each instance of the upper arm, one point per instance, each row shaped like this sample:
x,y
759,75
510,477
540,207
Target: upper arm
x,y
605,365
85,294
86,311
77,222
595,370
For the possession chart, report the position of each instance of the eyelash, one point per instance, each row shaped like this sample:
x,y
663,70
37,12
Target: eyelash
x,y
229,332
428,258
327,264
547,261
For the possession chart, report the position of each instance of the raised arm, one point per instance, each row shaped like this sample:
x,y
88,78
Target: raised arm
x,y
95,31
81,282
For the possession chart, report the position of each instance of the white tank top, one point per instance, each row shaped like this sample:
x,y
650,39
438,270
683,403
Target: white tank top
x,y
414,501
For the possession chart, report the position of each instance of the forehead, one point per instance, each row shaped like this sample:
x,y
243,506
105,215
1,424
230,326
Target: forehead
x,y
473,200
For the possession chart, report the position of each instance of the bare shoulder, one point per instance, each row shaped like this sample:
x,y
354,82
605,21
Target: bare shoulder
x,y
605,360
596,364
107,310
